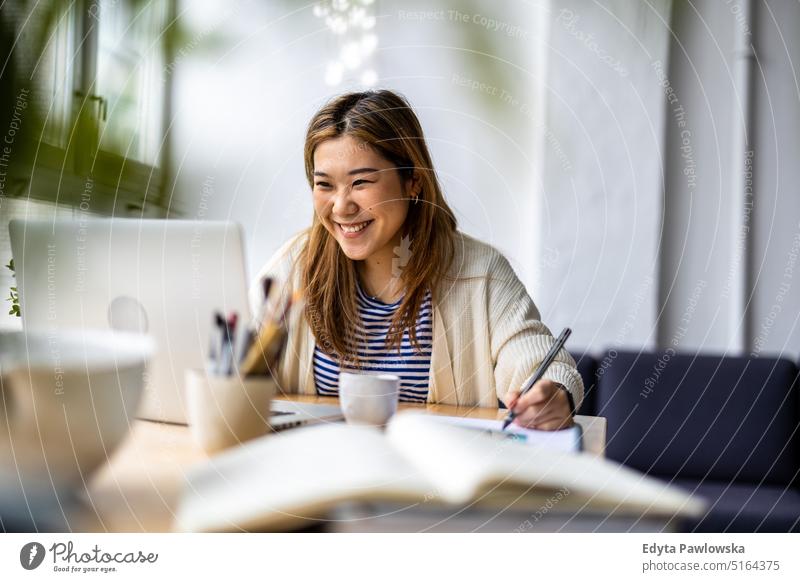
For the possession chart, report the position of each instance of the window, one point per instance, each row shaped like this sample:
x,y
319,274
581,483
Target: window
x,y
131,79
92,73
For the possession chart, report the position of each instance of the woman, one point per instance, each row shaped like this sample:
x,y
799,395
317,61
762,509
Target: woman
x,y
389,284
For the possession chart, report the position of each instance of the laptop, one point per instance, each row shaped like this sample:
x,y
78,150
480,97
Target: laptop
x,y
164,278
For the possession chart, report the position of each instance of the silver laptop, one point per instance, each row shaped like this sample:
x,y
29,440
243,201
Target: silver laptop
x,y
164,278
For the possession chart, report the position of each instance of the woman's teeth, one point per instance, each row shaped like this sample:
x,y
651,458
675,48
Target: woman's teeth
x,y
355,227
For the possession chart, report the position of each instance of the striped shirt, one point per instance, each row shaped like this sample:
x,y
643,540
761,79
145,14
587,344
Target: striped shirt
x,y
412,367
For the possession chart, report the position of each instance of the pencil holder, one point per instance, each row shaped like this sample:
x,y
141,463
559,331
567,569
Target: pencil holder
x,y
225,411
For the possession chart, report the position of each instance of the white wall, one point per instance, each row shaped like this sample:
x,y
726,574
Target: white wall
x,y
776,215
726,234
697,287
603,172
655,183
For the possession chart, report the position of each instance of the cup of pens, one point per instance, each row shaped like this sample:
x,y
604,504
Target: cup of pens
x,y
225,411
228,403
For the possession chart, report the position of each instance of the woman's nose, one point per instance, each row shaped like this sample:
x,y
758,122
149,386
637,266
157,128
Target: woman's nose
x,y
343,204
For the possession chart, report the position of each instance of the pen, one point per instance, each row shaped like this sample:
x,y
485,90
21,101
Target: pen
x,y
548,359
244,345
266,287
230,329
213,347
225,362
219,335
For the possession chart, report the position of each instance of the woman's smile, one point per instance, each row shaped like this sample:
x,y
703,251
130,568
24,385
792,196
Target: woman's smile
x,y
353,229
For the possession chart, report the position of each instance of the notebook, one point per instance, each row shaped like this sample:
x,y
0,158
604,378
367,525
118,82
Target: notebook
x,y
569,439
281,482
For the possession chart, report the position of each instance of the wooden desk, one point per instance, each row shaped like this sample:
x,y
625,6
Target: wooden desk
x,y
139,489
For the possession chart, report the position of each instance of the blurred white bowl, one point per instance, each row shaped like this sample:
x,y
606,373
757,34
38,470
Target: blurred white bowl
x,y
67,399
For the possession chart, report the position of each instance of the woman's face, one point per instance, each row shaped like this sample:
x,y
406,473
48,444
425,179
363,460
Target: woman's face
x,y
359,197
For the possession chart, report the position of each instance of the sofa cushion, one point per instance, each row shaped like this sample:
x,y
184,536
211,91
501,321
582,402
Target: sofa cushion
x,y
702,417
587,368
736,507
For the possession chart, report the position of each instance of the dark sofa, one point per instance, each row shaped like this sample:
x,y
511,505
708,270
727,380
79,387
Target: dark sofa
x,y
725,428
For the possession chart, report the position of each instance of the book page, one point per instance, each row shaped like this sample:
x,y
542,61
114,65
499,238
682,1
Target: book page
x,y
465,465
290,478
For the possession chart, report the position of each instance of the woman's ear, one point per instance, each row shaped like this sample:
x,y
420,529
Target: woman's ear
x,y
415,185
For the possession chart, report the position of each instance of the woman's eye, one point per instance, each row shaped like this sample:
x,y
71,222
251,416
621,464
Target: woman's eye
x,y
322,185
361,182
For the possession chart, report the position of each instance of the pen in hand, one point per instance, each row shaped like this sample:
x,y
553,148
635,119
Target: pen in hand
x,y
539,374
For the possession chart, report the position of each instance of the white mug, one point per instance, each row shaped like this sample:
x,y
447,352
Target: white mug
x,y
369,399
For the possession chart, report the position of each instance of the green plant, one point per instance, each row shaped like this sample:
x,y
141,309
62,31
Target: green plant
x,y
13,294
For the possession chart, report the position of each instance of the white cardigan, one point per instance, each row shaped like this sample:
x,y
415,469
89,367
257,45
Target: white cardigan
x,y
487,336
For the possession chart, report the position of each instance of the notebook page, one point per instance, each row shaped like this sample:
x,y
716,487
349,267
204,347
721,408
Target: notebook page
x,y
465,463
568,440
284,479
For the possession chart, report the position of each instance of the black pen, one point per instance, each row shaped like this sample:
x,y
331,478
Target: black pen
x,y
548,359
230,348
266,287
219,336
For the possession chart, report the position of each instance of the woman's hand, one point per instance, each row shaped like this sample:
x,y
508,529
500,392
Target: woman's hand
x,y
545,406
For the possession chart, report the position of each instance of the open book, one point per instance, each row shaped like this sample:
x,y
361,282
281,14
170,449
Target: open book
x,y
283,481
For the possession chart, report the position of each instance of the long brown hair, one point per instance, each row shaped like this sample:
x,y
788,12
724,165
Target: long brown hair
x,y
384,121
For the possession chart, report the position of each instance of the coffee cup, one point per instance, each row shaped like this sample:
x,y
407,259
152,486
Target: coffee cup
x,y
368,399
67,399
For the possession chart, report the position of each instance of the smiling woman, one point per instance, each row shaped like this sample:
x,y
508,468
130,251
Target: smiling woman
x,y
391,285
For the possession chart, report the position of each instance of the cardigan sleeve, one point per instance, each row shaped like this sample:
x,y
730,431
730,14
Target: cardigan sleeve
x,y
519,340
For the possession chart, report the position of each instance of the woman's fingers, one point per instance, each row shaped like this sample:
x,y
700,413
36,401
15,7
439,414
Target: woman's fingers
x,y
528,417
535,415
547,421
510,399
543,392
543,407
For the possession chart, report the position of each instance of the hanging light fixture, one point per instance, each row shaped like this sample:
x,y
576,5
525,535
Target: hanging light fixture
x,y
352,22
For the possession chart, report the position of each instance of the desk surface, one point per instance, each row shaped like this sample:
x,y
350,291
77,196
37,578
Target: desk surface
x,y
139,489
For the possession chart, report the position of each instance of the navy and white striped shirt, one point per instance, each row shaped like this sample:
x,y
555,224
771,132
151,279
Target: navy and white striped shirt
x,y
412,367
